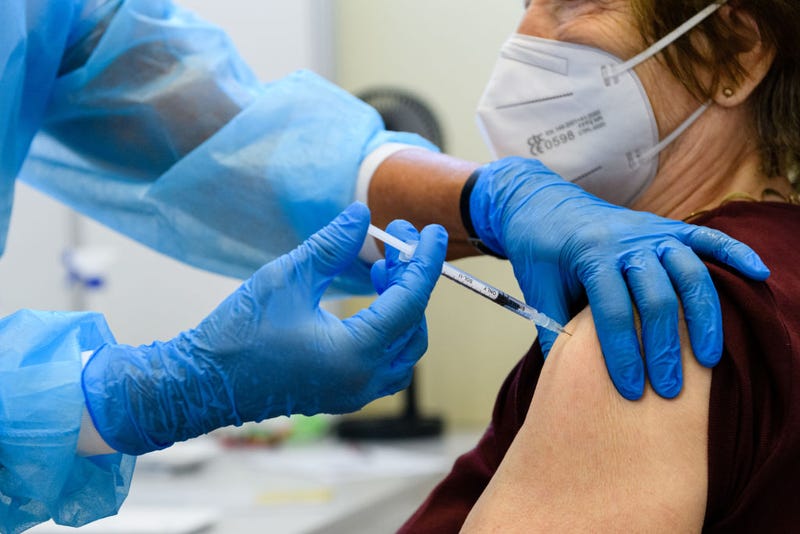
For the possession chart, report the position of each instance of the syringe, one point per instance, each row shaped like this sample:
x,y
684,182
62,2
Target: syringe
x,y
470,282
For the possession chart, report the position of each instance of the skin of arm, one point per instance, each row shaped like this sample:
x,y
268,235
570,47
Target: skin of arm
x,y
587,460
422,187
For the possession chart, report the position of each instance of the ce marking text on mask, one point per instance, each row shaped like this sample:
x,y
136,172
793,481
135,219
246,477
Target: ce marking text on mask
x,y
541,143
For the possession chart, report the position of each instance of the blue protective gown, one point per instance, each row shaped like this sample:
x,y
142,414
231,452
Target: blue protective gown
x,y
144,117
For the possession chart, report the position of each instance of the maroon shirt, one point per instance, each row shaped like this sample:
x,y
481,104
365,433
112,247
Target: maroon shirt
x,y
754,409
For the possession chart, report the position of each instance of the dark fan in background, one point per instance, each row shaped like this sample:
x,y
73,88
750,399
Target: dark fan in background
x,y
401,112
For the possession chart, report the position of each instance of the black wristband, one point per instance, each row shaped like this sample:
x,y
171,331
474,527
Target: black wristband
x,y
466,216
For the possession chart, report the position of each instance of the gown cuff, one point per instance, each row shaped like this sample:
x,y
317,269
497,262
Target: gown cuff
x,y
42,399
90,443
370,252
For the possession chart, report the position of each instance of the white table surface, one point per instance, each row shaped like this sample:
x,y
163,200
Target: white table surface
x,y
317,488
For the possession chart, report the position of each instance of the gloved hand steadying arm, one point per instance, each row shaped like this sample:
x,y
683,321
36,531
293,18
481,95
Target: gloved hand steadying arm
x,y
269,349
563,241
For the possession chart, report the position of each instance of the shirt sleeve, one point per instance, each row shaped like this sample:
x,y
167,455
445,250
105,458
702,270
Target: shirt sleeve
x,y
41,476
166,135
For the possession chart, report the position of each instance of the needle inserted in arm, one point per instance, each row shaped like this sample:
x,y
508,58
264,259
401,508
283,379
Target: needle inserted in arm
x,y
470,282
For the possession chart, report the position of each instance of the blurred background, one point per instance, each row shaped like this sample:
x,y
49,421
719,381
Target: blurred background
x,y
442,52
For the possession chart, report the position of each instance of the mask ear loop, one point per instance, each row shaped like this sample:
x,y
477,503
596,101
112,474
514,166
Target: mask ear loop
x,y
611,72
654,151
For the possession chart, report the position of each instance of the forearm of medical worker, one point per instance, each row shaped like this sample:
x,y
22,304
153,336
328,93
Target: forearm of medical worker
x,y
566,244
269,349
167,136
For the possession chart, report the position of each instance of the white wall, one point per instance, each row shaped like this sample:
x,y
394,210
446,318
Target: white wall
x,y
276,37
30,270
444,51
149,296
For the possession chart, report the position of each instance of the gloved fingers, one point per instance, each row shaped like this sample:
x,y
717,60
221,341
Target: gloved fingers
x,y
398,376
613,316
727,250
398,385
546,294
657,303
412,350
329,251
546,339
700,301
379,275
402,305
405,231
321,257
383,271
398,344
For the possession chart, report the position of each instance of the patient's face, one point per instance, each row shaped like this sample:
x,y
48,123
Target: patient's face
x,y
610,25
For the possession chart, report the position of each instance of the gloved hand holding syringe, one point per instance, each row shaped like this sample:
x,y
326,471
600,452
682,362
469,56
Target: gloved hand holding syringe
x,y
470,282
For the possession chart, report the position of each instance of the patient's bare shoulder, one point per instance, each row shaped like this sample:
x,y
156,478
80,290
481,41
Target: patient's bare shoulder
x,y
586,459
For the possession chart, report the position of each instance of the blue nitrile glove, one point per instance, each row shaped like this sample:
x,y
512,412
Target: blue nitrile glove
x,y
384,271
563,241
269,349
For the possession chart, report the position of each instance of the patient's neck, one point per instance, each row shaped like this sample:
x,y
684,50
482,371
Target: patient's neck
x,y
715,158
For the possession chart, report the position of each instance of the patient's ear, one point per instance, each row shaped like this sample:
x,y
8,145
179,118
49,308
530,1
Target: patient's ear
x,y
756,60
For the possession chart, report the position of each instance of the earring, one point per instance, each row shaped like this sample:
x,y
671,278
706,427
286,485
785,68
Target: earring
x,y
728,92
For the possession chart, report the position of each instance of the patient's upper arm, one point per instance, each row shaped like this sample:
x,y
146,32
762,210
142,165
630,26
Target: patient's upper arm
x,y
588,460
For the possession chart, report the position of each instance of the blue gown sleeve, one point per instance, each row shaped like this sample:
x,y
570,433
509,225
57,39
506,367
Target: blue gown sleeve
x,y
165,135
42,402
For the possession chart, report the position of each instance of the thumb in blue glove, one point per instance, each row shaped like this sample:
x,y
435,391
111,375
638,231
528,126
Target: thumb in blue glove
x,y
269,349
564,243
385,271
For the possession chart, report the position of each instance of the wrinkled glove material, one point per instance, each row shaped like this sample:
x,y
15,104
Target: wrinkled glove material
x,y
565,243
269,349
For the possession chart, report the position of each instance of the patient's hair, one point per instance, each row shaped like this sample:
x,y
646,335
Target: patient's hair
x,y
775,102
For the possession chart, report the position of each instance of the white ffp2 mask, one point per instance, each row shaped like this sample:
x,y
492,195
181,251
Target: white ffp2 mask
x,y
581,111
